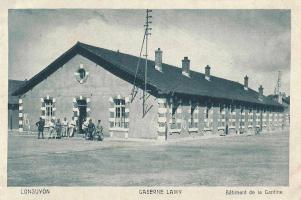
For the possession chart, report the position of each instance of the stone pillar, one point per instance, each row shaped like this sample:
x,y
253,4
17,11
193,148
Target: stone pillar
x,y
126,112
186,111
201,118
215,119
273,121
179,115
270,121
20,115
168,119
237,119
267,120
111,115
247,119
261,120
162,119
254,112
227,118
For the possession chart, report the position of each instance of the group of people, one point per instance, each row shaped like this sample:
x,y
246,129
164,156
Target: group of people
x,y
59,129
92,132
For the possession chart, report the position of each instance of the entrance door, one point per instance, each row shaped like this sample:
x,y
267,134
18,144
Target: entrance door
x,y
82,108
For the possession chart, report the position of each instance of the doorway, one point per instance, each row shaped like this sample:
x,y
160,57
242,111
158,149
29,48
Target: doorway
x,y
82,109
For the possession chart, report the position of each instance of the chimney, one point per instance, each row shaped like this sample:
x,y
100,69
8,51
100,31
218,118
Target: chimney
x,y
207,73
260,92
246,82
158,60
186,66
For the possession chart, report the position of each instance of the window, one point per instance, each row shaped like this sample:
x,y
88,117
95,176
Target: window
x,y
264,119
176,116
173,117
48,109
242,118
276,119
280,121
82,73
119,113
222,118
193,121
257,119
251,118
232,121
208,118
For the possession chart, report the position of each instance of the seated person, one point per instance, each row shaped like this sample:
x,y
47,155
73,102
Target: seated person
x,y
90,130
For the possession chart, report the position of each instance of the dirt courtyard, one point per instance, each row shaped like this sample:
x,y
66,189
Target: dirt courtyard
x,y
260,160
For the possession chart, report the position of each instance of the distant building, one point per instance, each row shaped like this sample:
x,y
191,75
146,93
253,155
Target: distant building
x,y
87,81
13,104
285,102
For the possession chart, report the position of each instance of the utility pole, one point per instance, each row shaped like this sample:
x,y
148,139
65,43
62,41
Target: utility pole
x,y
147,33
277,89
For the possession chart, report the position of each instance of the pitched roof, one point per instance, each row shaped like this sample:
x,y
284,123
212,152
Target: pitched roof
x,y
170,81
13,85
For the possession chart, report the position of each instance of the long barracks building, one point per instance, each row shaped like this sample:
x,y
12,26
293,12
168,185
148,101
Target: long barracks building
x,y
88,81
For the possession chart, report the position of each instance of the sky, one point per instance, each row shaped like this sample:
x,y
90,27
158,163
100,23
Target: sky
x,y
234,43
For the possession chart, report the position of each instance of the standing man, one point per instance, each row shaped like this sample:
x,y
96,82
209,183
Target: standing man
x,y
90,129
51,126
98,133
58,129
85,127
40,124
72,125
64,127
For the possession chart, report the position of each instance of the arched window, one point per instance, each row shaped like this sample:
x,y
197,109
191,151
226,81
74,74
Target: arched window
x,y
48,108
